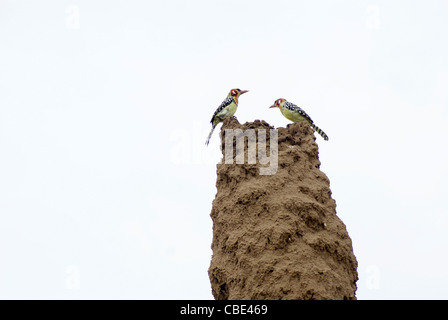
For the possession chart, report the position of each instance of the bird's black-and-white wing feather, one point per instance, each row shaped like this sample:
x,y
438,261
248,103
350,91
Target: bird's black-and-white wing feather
x,y
291,106
224,104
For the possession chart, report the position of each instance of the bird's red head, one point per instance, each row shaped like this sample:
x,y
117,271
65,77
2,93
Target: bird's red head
x,y
278,103
237,92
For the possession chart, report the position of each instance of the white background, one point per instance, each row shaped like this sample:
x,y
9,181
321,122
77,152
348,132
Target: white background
x,y
106,185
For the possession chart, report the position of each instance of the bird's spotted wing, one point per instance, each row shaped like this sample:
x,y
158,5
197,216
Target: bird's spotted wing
x,y
291,106
224,104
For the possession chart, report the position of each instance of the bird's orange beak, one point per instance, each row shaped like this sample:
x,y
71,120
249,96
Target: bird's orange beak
x,y
273,106
244,91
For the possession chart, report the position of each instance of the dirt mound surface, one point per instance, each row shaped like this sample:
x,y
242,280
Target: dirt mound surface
x,y
278,236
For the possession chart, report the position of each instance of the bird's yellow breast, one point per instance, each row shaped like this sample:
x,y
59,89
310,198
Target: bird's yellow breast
x,y
228,111
291,115
232,109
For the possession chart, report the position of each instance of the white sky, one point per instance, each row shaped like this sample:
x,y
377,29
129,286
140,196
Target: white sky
x,y
106,185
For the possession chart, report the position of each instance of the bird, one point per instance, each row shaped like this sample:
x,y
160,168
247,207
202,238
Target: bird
x,y
226,109
296,114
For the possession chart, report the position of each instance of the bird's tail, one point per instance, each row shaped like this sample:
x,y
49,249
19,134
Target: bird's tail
x,y
319,131
210,135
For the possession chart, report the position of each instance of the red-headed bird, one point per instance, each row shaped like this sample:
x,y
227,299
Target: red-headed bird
x,y
226,109
296,114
